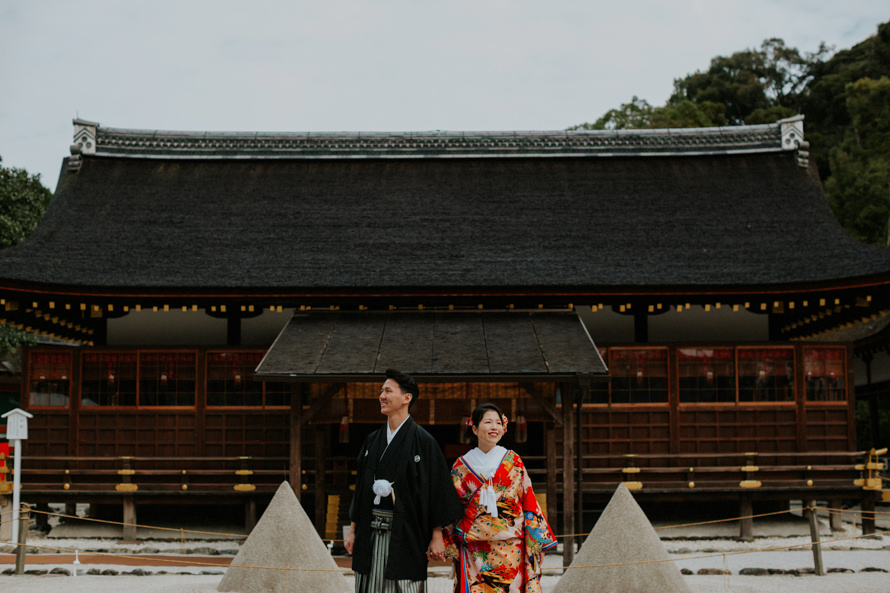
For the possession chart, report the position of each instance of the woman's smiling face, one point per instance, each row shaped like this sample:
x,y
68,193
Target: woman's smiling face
x,y
489,431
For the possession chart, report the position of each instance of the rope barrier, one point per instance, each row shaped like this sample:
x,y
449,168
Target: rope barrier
x,y
178,529
161,562
171,561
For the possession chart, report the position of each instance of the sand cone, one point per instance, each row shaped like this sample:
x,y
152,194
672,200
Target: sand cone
x,y
622,534
284,538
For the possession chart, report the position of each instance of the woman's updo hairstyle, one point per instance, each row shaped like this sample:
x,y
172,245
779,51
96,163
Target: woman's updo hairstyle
x,y
478,413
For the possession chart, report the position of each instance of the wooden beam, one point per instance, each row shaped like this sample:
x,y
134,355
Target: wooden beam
x,y
542,401
322,400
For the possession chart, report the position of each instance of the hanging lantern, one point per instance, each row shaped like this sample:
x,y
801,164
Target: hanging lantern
x,y
639,375
343,433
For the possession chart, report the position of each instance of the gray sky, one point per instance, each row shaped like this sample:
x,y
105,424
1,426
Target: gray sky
x,y
384,65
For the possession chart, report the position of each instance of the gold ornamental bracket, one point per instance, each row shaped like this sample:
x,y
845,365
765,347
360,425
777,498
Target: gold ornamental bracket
x,y
244,472
126,472
871,479
749,469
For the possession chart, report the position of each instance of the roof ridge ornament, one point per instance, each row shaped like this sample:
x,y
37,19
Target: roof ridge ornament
x,y
792,139
85,133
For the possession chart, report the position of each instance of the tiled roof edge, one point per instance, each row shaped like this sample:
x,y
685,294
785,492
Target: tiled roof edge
x,y
91,138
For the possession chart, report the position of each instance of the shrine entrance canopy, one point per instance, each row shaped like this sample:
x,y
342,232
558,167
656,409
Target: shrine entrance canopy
x,y
433,346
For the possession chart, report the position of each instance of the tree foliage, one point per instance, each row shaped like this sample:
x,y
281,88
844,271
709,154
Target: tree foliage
x,y
640,114
23,200
858,188
765,82
844,99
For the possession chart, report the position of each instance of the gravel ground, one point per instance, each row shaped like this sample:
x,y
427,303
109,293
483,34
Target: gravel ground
x,y
862,565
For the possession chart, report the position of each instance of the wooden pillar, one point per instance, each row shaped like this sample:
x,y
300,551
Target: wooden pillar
x,y
800,389
835,519
129,534
873,408
233,329
250,514
746,522
868,513
321,495
568,474
42,517
550,452
296,439
673,403
641,325
583,395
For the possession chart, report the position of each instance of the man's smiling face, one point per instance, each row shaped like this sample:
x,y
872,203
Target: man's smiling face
x,y
392,399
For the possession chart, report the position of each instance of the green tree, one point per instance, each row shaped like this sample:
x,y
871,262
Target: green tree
x,y
825,101
763,84
640,114
23,201
858,188
635,114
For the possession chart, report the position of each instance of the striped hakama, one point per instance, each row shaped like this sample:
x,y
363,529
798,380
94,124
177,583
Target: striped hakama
x,y
381,523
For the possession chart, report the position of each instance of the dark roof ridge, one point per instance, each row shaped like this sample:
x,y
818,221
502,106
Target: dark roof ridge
x,y
92,139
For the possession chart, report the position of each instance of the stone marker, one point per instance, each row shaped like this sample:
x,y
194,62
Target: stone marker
x,y
284,538
622,534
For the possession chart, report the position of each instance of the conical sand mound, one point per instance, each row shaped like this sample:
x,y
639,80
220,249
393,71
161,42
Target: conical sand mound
x,y
622,534
284,538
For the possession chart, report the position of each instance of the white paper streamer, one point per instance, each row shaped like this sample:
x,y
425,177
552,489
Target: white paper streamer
x,y
489,499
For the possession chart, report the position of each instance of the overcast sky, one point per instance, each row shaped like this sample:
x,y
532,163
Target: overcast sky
x,y
372,65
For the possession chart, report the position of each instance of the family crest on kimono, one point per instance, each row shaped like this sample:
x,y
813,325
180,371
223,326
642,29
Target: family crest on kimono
x,y
498,545
403,498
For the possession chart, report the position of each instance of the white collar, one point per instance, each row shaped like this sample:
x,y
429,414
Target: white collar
x,y
486,464
390,434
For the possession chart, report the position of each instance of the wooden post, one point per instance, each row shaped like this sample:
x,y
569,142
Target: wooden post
x,y
550,451
129,534
6,533
296,439
249,514
746,522
24,520
814,536
321,495
868,513
835,520
568,474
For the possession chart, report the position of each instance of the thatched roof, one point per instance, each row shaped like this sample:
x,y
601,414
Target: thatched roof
x,y
352,214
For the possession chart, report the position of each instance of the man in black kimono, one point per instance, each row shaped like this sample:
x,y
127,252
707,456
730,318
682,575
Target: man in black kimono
x,y
403,498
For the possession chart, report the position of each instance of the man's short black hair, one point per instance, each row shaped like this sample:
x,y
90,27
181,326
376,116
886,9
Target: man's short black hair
x,y
406,383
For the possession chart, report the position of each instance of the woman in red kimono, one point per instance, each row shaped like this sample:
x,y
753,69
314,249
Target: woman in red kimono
x,y
498,545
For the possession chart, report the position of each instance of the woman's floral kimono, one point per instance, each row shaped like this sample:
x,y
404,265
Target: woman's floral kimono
x,y
503,553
